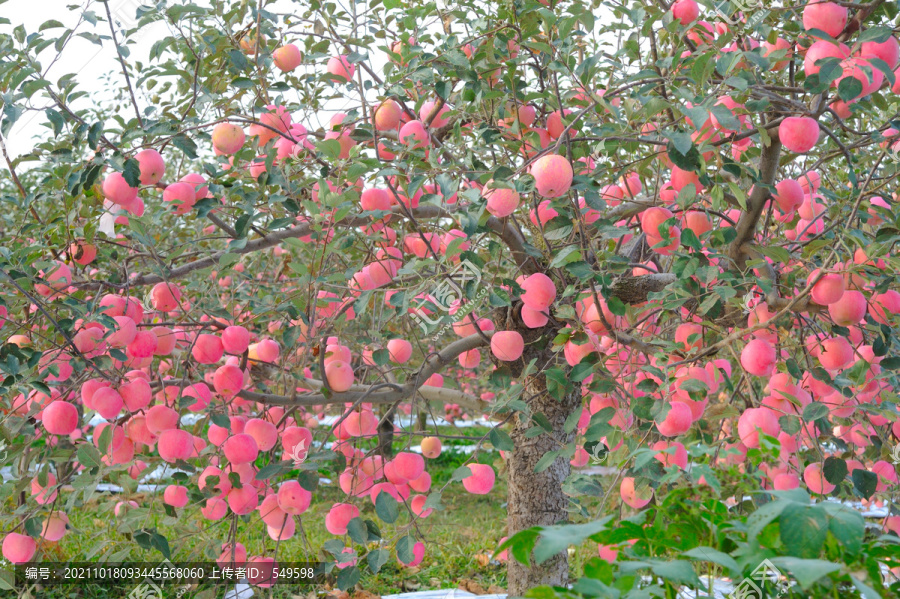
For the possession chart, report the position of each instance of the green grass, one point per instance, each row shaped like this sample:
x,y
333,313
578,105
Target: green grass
x,y
468,528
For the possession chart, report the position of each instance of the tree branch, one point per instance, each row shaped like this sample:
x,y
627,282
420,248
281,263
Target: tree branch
x,y
395,393
746,225
260,243
634,290
112,30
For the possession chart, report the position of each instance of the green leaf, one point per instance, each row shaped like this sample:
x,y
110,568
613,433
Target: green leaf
x,y
501,440
847,525
148,538
878,35
764,515
347,578
708,554
616,306
546,460
579,484
105,439
376,559
865,591
405,549
580,269
864,482
568,254
132,172
558,384
269,470
835,470
357,530
849,89
558,227
678,571
34,527
381,356
803,529
457,59
88,456
386,507
725,117
814,411
790,424
291,335
890,363
697,114
461,473
775,253
554,539
829,69
726,62
51,24
689,161
186,145
521,544
238,59
680,140
372,530
805,571
434,501
56,119
330,148
542,421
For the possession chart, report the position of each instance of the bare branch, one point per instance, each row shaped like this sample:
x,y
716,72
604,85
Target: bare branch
x,y
112,30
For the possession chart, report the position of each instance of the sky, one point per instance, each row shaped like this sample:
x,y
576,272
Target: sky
x,y
81,56
89,61
92,62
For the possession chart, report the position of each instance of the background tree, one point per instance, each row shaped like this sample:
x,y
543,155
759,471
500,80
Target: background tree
x,y
614,227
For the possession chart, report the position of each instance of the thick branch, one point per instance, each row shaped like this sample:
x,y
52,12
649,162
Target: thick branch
x,y
516,244
746,225
395,393
634,290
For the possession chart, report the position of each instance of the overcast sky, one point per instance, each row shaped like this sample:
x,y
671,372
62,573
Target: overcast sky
x,y
90,61
87,59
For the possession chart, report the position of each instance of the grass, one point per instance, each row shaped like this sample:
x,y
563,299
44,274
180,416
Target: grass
x,y
459,539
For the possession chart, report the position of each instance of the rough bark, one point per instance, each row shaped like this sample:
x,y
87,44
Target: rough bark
x,y
756,203
386,433
634,290
537,499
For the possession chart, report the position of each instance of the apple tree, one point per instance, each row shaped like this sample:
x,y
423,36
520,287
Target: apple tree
x,y
661,234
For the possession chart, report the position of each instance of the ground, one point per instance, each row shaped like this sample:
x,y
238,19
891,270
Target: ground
x,y
459,540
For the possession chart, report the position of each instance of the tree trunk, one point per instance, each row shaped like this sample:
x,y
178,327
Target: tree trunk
x,y
422,421
537,499
386,433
